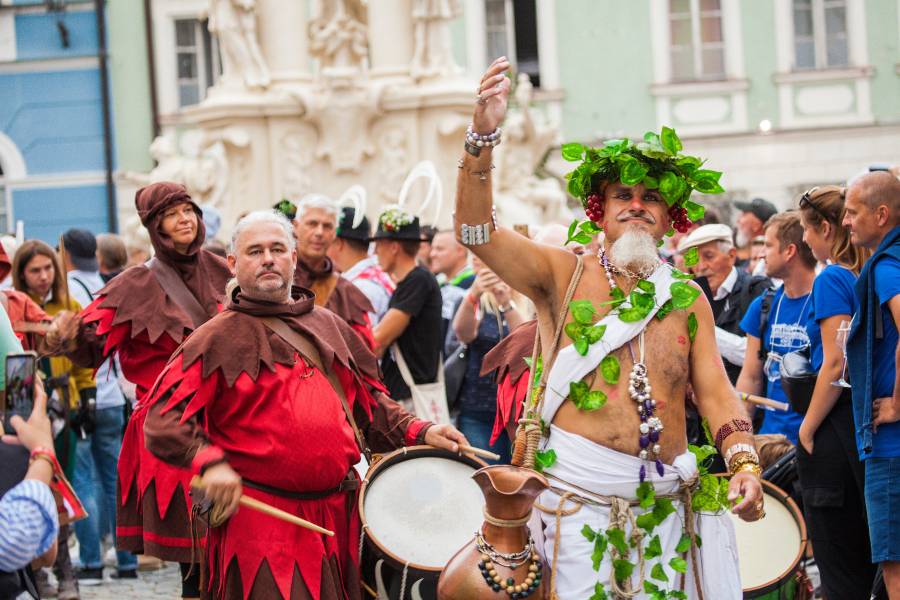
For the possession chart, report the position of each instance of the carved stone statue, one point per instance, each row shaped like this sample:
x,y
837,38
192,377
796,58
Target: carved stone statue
x,y
338,36
233,22
432,51
520,194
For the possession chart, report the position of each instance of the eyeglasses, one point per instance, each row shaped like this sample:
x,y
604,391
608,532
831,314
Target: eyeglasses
x,y
806,199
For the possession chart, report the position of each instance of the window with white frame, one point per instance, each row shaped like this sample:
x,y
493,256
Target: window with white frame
x,y
820,34
197,60
511,31
696,43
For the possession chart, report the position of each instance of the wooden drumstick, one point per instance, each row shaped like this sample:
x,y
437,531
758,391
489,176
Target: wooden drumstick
x,y
764,401
478,452
270,510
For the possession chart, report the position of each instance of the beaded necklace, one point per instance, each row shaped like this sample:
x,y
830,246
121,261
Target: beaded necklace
x,y
639,388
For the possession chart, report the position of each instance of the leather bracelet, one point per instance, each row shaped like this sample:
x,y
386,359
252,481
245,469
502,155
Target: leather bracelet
x,y
732,426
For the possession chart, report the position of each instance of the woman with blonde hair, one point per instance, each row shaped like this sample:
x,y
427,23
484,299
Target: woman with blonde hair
x,y
831,475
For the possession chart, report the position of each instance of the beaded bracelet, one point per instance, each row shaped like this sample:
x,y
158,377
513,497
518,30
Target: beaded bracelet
x,y
732,426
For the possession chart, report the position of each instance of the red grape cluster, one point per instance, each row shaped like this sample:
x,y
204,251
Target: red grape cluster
x,y
680,221
594,208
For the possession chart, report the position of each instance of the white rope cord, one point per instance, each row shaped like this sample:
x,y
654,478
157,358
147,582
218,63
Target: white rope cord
x,y
403,581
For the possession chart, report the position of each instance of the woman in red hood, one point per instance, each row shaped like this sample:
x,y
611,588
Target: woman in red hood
x,y
144,314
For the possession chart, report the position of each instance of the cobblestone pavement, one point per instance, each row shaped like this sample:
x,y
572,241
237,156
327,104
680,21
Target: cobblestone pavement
x,y
150,585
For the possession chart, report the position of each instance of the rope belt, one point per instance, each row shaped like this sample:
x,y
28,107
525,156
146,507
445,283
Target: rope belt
x,y
620,516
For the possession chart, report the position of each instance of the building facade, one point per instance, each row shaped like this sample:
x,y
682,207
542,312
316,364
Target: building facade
x,y
59,152
779,94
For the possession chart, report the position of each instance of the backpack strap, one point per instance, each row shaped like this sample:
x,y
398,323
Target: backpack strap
x,y
764,310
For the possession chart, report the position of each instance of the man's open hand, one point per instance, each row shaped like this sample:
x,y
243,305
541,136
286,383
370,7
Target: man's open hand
x,y
493,94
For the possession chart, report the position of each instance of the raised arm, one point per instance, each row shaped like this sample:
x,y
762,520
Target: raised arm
x,y
518,261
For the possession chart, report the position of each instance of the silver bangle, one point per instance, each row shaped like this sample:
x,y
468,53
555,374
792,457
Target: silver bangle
x,y
477,235
738,448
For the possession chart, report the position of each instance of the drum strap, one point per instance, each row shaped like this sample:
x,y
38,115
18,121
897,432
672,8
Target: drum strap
x,y
309,352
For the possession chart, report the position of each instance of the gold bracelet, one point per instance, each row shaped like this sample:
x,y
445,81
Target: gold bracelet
x,y
750,468
741,461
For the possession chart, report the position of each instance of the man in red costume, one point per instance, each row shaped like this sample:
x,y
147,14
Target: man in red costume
x,y
315,229
144,314
247,403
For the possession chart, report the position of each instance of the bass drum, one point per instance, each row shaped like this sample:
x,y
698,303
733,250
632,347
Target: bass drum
x,y
770,551
418,507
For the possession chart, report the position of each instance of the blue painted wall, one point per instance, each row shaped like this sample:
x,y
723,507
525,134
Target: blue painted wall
x,y
37,35
48,212
55,120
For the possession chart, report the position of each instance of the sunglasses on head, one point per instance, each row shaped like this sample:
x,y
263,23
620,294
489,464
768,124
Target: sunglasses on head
x,y
806,200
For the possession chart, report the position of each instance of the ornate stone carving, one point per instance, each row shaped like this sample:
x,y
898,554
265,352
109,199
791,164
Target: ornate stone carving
x,y
342,114
520,195
199,162
393,162
432,51
233,22
296,149
338,37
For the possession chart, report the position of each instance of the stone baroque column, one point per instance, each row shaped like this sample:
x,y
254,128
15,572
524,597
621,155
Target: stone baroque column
x,y
282,26
390,37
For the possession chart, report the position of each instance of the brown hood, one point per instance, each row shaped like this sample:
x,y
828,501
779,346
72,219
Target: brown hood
x,y
334,292
237,341
509,355
197,268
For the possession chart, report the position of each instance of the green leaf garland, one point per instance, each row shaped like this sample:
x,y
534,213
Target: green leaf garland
x,y
691,256
609,369
692,326
544,459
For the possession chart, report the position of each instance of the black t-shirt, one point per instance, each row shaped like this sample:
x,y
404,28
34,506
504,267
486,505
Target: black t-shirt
x,y
419,296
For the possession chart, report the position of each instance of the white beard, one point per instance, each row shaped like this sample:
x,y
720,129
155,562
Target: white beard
x,y
741,239
635,251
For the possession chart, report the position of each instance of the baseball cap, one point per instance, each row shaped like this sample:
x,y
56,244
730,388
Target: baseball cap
x,y
760,208
81,247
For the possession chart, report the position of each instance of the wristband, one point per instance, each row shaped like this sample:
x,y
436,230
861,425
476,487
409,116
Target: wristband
x,y
207,457
732,426
737,449
44,454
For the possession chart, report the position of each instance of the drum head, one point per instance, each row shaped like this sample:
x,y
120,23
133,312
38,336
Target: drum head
x,y
770,549
422,507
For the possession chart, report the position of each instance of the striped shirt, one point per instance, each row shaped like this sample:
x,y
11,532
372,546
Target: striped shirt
x,y
28,524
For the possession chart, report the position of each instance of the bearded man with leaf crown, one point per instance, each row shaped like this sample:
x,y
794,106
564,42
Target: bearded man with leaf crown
x,y
621,337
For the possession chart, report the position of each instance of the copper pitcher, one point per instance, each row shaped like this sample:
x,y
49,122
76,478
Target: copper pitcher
x,y
509,494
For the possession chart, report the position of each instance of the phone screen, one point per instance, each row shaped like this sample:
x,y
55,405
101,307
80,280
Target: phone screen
x,y
20,373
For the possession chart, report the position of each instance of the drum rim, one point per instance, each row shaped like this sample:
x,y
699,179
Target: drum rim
x,y
785,499
390,458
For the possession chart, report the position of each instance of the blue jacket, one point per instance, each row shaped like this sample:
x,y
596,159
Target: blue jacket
x,y
866,329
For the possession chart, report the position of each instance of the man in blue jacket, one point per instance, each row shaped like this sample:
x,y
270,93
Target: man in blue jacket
x,y
873,216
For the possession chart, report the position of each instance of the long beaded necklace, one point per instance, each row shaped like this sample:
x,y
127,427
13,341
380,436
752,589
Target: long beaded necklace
x,y
491,557
639,387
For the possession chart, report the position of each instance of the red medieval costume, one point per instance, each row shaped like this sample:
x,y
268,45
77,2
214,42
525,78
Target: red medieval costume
x,y
337,295
238,391
23,312
508,358
141,315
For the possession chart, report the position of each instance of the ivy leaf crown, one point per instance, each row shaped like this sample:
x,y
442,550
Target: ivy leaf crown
x,y
657,162
394,217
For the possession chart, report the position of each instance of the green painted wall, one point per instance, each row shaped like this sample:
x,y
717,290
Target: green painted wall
x,y
605,68
757,29
130,81
884,54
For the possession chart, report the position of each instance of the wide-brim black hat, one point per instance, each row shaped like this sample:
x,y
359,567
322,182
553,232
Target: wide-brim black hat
x,y
411,231
346,230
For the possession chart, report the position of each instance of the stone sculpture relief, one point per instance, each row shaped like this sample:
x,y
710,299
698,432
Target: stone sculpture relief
x,y
521,196
296,150
233,22
338,37
432,50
